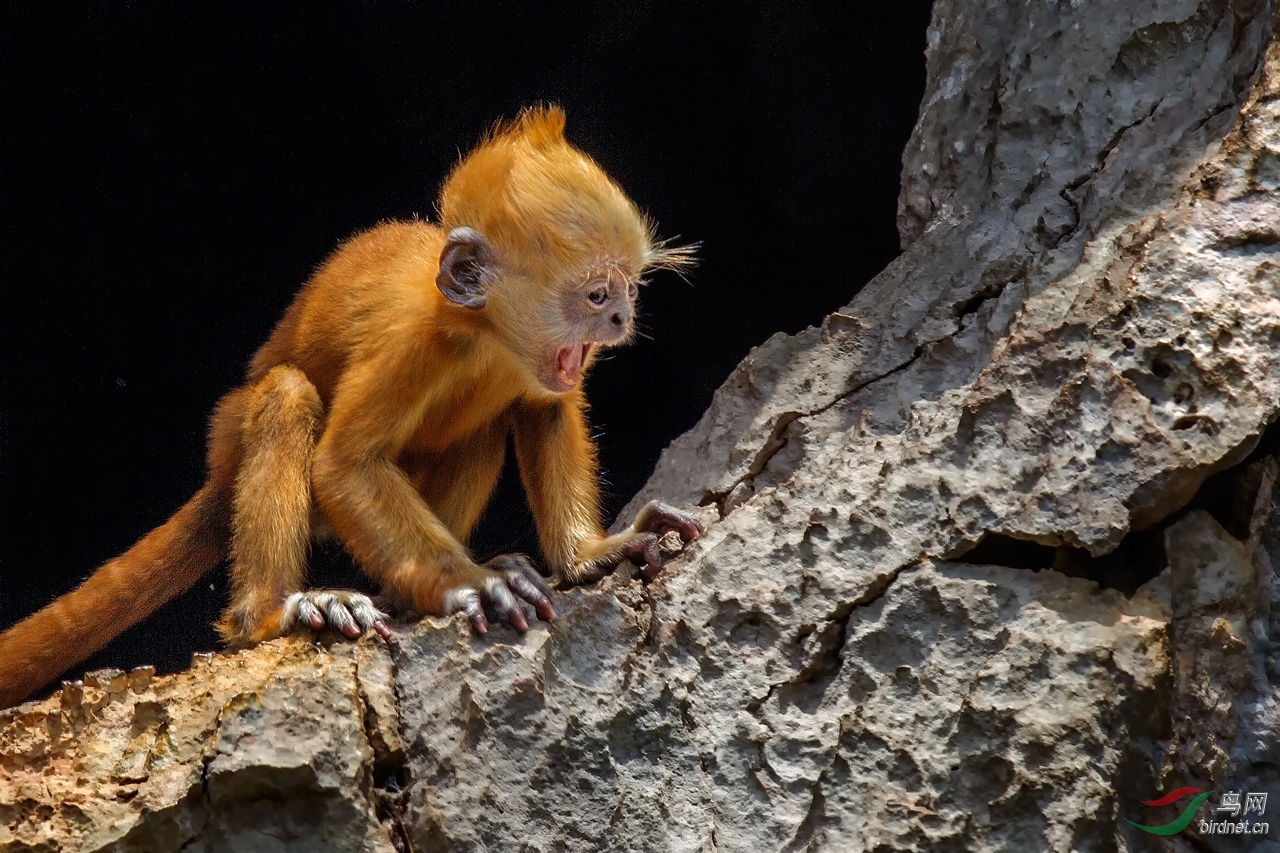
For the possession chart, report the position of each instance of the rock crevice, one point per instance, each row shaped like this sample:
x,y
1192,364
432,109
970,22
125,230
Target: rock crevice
x,y
991,552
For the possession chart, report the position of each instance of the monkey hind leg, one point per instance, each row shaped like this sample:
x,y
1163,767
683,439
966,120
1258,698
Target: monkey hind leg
x,y
271,506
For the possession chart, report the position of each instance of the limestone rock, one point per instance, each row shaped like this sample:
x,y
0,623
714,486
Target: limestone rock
x,y
990,556
266,750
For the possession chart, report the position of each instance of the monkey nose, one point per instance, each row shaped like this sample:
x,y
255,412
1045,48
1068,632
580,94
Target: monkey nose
x,y
616,319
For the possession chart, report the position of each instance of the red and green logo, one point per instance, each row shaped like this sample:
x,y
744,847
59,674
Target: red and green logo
x,y
1183,820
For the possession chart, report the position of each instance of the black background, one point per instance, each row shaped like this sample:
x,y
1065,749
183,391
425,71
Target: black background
x,y
173,173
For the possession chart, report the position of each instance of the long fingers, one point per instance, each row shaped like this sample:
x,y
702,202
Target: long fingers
x,y
510,579
349,612
505,601
523,579
467,600
304,612
657,517
645,547
533,590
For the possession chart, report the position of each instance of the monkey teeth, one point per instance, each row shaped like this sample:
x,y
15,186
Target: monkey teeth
x,y
570,362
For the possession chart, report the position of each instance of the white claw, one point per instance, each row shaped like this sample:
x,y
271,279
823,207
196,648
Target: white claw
x,y
341,610
463,600
366,614
523,585
307,613
500,595
339,616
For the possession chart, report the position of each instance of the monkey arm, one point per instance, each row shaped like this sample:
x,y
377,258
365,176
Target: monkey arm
x,y
388,528
558,466
382,519
639,542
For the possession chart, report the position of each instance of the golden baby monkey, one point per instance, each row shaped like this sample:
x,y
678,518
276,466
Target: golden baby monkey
x,y
381,408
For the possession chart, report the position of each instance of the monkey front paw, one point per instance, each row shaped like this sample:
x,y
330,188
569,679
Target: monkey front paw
x,y
659,519
343,610
660,522
500,585
643,548
656,528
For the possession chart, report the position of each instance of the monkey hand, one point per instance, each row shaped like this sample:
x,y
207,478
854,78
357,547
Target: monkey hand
x,y
498,585
343,610
638,543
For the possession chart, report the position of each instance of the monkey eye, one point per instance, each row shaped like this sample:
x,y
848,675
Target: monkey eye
x,y
598,295
633,290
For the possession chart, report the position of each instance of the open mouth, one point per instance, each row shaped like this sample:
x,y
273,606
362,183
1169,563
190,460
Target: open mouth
x,y
570,362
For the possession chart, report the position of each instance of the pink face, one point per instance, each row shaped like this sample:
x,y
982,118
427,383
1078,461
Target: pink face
x,y
599,313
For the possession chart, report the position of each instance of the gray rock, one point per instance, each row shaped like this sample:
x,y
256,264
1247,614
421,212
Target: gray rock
x,y
990,559
261,751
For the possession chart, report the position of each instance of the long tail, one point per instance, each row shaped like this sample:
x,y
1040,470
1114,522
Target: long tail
x,y
163,564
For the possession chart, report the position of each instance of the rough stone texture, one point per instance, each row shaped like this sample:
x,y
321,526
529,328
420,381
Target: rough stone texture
x,y
1226,609
892,635
1088,116
264,751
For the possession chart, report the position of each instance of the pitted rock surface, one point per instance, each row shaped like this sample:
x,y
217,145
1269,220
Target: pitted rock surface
x,y
991,552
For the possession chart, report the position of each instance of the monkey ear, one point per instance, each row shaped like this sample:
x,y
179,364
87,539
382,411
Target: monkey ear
x,y
465,268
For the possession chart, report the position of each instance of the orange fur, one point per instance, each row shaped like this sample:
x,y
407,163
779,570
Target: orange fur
x,y
382,406
271,504
165,562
